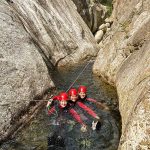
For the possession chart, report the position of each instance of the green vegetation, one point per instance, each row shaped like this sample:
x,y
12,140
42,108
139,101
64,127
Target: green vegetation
x,y
108,4
109,8
85,143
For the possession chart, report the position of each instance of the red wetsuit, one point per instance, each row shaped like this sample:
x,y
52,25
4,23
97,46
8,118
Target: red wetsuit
x,y
91,100
87,109
72,112
81,104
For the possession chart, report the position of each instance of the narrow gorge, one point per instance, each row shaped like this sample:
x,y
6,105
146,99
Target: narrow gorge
x,y
39,38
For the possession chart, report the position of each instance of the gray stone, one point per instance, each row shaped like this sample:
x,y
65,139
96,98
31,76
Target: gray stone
x,y
101,27
124,62
133,88
99,35
108,29
23,73
107,25
99,14
35,36
58,30
109,20
100,44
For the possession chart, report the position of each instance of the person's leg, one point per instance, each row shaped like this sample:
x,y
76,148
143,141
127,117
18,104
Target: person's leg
x,y
60,141
96,125
51,139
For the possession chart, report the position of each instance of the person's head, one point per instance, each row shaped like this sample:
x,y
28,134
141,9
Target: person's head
x,y
82,91
63,98
73,94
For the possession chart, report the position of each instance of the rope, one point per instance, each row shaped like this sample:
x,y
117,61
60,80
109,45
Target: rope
x,y
78,76
73,81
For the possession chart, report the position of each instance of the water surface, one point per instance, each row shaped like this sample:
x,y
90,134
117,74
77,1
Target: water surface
x,y
34,136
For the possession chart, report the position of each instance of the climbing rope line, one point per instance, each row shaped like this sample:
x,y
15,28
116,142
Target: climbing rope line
x,y
78,76
72,82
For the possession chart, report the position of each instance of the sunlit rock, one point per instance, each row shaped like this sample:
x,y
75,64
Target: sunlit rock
x,y
124,62
23,73
103,26
59,31
99,35
107,25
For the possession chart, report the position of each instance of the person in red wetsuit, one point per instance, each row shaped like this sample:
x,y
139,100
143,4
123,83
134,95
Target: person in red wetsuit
x,y
74,101
82,96
64,106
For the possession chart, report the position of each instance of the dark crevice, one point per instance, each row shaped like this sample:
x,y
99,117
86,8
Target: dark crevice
x,y
9,1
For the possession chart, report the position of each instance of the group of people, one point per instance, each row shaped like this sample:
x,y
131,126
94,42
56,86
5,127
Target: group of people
x,y
68,102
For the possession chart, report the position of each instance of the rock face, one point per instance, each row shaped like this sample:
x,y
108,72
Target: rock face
x,y
102,31
99,36
56,34
92,12
57,29
124,62
133,88
23,73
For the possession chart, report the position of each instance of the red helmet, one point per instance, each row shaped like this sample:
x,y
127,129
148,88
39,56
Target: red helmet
x,y
73,92
82,89
63,96
56,97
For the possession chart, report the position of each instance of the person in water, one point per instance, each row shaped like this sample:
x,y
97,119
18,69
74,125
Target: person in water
x,y
61,105
74,98
82,96
75,101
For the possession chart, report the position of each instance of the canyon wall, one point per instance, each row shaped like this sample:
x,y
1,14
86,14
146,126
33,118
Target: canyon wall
x,y
124,62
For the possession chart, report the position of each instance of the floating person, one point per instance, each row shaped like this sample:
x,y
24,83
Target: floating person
x,y
74,98
60,104
75,101
82,96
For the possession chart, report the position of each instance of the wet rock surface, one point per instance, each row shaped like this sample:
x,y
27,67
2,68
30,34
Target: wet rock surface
x,y
134,95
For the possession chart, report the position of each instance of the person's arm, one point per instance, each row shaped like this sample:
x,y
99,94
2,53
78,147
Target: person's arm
x,y
99,104
91,100
88,110
50,101
76,116
51,110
